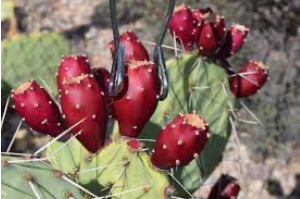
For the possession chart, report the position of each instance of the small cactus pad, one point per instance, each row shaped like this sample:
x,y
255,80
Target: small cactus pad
x,y
18,179
122,167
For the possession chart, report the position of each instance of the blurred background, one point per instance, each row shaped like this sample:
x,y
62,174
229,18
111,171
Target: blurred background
x,y
36,33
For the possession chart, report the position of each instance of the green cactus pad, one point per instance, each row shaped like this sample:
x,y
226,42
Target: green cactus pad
x,y
15,184
32,56
116,170
7,9
201,86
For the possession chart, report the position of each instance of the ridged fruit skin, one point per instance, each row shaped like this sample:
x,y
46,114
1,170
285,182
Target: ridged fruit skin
x,y
180,141
198,13
241,87
82,98
134,49
211,34
225,188
234,41
138,99
38,109
184,26
71,66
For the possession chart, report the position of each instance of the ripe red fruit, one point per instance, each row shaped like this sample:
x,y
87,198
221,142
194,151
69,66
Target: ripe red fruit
x,y
180,141
184,27
138,99
38,109
71,67
199,14
225,188
249,79
134,49
234,41
83,99
211,33
103,78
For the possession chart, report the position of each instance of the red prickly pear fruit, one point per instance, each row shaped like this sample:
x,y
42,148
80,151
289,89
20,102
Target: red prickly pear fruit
x,y
71,67
134,49
249,79
180,141
211,33
234,41
225,188
103,78
184,27
199,13
83,99
138,99
133,145
37,108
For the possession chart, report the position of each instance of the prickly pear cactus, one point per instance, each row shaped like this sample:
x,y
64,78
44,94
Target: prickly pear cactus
x,y
32,55
196,84
120,169
33,180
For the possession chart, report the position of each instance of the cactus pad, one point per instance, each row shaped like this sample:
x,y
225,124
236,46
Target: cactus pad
x,y
17,177
117,170
32,55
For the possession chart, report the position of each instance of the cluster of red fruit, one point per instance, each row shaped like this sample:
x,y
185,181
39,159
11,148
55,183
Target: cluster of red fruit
x,y
86,106
208,31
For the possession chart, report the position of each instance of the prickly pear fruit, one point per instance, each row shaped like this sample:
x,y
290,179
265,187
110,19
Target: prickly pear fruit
x,y
83,99
134,49
71,67
180,141
249,79
199,13
103,77
133,144
234,41
211,33
37,108
138,99
225,188
184,27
